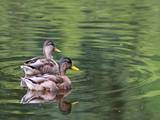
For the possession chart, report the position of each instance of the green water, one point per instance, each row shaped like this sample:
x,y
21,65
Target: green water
x,y
115,43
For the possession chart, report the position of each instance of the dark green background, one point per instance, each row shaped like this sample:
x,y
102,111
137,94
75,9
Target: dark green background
x,y
115,43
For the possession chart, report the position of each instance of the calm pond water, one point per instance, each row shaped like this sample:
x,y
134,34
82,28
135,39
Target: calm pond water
x,y
114,43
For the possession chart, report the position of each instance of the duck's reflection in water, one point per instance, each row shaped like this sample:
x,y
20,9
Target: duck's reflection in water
x,y
32,97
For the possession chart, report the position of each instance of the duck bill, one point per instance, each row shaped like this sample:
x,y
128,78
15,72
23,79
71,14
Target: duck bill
x,y
57,50
75,103
75,68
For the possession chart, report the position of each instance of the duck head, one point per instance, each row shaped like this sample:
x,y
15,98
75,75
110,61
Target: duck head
x,y
48,48
65,64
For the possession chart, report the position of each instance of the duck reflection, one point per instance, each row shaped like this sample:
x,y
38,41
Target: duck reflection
x,y
64,106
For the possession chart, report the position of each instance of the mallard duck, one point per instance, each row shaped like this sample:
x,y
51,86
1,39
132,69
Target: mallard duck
x,y
51,82
42,65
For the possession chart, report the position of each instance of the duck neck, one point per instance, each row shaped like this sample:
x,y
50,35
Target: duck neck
x,y
47,53
62,69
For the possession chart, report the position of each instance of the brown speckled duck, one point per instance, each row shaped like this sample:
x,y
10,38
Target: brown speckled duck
x,y
42,65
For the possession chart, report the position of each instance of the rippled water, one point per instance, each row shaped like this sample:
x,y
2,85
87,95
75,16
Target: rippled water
x,y
114,43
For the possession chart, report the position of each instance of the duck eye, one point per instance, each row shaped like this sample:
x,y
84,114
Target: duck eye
x,y
51,44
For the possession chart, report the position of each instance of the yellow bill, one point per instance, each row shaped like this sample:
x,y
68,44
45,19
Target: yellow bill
x,y
74,103
57,50
74,68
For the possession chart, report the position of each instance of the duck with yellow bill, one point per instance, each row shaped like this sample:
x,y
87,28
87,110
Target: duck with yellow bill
x,y
42,65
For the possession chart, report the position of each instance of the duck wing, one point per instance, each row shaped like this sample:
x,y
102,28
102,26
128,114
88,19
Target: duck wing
x,y
32,60
36,62
29,71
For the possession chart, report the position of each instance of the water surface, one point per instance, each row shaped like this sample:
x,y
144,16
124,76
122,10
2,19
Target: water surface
x,y
114,43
